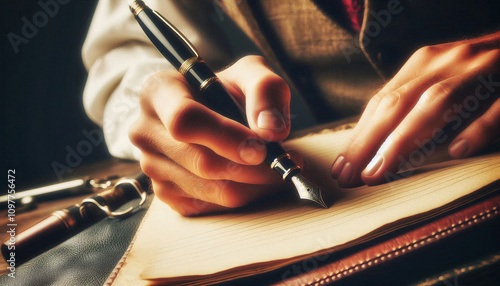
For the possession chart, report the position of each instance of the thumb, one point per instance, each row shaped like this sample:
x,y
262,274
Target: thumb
x,y
267,97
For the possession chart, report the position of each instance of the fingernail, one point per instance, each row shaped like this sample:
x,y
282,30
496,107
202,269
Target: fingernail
x,y
252,151
458,149
337,166
346,174
374,165
271,120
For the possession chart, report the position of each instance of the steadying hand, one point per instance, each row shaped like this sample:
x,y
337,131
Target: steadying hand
x,y
454,83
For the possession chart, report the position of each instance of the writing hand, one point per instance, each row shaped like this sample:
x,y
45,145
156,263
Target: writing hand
x,y
454,83
200,161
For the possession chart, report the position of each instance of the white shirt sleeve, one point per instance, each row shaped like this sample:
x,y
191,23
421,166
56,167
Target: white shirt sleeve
x,y
119,58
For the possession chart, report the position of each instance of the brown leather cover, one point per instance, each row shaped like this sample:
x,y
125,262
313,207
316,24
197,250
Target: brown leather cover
x,y
403,244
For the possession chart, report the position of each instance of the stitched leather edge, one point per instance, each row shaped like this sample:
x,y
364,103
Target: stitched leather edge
x,y
395,252
116,270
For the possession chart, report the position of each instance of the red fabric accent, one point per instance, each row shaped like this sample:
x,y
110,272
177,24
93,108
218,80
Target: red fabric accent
x,y
354,10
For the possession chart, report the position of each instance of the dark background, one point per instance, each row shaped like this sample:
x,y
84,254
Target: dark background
x,y
41,89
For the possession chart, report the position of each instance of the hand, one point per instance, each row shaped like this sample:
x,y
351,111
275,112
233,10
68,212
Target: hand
x,y
200,161
455,84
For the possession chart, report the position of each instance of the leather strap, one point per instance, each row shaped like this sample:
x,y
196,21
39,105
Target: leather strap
x,y
401,245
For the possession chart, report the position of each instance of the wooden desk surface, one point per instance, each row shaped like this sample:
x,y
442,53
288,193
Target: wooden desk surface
x,y
99,170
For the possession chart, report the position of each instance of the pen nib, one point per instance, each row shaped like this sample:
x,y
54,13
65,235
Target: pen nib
x,y
307,190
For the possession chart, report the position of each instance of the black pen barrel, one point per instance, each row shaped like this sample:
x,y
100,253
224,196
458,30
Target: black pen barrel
x,y
210,91
183,56
165,37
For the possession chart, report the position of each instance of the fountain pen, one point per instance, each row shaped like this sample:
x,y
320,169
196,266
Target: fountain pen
x,y
184,57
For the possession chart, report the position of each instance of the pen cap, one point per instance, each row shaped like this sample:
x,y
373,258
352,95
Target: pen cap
x,y
166,38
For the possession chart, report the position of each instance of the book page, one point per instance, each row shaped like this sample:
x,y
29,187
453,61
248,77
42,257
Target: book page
x,y
209,249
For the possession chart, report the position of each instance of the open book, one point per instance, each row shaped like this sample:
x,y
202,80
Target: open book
x,y
172,249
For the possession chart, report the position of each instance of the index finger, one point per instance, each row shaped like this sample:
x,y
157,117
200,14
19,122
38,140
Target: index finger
x,y
189,121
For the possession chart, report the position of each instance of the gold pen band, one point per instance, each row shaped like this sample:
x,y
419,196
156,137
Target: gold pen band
x,y
66,218
136,7
276,160
204,85
188,64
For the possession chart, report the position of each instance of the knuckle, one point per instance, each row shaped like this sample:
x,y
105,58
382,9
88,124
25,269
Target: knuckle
x,y
145,99
438,94
462,51
390,100
425,52
163,190
172,194
134,133
177,123
485,126
188,207
147,167
186,211
229,195
138,134
375,100
201,163
355,147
